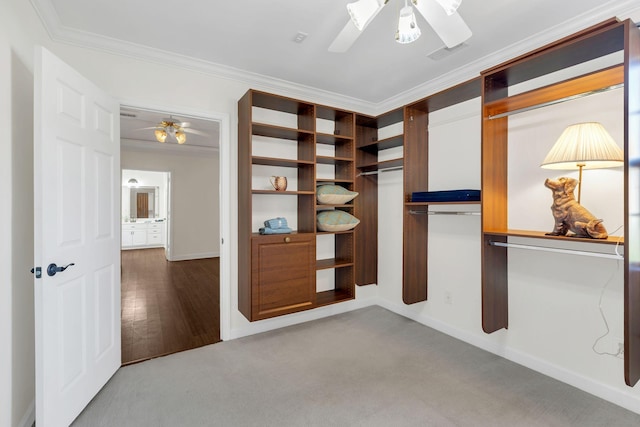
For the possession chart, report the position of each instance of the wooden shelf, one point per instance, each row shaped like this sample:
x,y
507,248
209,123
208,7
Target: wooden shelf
x,y
284,193
329,139
328,206
328,160
333,297
334,180
293,233
325,264
383,144
612,240
462,202
280,103
370,167
334,232
272,161
280,132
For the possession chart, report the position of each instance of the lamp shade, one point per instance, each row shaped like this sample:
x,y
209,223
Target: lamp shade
x,y
450,6
363,11
181,137
161,135
408,30
586,145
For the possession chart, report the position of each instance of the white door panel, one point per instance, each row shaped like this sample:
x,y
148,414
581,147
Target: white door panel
x,y
77,211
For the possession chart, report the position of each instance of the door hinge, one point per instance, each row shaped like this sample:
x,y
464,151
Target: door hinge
x,y
37,271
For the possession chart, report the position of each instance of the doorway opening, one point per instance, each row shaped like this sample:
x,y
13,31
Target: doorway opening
x,y
170,201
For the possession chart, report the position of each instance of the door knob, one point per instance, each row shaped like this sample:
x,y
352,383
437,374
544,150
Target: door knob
x,y
52,269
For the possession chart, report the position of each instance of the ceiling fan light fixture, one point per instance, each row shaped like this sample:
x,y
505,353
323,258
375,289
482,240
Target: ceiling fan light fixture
x,y
362,11
408,30
181,137
450,6
161,135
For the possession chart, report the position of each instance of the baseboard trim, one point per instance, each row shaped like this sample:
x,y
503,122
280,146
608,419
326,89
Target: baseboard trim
x,y
601,390
301,317
185,257
29,418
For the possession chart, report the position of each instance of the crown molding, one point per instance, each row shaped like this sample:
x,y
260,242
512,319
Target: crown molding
x,y
84,39
62,34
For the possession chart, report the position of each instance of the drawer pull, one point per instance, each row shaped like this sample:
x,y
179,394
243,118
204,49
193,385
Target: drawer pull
x,y
287,239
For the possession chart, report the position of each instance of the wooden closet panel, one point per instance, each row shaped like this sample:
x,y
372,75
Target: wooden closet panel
x,y
632,207
495,286
416,226
366,210
414,261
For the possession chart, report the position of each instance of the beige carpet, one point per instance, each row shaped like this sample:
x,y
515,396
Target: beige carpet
x,y
369,367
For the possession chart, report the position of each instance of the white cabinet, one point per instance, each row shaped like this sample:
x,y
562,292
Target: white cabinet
x,y
155,234
143,235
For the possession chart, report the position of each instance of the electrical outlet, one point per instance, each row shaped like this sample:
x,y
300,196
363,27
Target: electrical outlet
x,y
448,298
619,348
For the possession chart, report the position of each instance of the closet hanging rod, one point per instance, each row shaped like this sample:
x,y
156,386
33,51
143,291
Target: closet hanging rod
x,y
556,250
395,168
557,101
414,212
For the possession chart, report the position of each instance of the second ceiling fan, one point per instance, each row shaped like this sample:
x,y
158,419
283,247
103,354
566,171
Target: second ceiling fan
x,y
441,15
174,128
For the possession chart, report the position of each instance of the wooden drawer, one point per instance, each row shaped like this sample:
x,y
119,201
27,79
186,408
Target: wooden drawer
x,y
155,226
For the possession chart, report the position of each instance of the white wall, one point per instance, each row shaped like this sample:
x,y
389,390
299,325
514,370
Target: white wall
x,y
17,382
195,196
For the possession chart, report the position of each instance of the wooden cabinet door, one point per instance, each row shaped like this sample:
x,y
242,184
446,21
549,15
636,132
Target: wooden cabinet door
x,y
283,276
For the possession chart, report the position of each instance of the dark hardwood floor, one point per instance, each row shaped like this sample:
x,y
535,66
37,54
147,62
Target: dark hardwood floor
x,y
167,306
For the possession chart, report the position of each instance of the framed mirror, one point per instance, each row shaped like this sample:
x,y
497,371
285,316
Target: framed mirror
x,y
143,202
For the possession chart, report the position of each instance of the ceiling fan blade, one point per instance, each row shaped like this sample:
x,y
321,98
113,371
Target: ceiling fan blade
x,y
450,28
150,127
345,38
349,34
194,131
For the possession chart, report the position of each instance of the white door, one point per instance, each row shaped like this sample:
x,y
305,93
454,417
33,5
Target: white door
x,y
77,212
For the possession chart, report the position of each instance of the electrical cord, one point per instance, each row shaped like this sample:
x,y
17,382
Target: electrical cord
x,y
604,318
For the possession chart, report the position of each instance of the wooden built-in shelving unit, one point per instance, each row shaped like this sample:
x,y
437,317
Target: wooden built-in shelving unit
x,y
277,273
598,41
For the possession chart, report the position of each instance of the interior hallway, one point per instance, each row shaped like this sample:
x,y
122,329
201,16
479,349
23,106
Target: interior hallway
x,y
167,306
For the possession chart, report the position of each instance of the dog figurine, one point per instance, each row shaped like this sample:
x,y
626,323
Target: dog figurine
x,y
569,215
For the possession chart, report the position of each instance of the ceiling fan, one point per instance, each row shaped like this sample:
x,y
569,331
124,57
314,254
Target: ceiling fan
x,y
441,15
174,128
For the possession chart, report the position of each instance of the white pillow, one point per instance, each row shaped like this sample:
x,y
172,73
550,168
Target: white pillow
x,y
336,220
330,194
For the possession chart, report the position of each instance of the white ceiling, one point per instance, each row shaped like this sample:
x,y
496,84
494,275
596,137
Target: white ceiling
x,y
135,132
254,38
